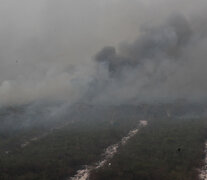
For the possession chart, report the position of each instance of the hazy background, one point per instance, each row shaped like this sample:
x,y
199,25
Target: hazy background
x,y
48,50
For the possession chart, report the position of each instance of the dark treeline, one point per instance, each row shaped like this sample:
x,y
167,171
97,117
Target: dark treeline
x,y
168,149
90,129
64,151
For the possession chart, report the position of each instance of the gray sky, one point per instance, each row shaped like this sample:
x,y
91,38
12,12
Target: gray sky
x,y
47,46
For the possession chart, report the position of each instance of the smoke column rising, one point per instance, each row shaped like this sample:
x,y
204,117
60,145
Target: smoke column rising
x,y
153,51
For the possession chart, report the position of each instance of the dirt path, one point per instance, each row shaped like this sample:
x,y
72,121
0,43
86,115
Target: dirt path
x,y
83,174
203,173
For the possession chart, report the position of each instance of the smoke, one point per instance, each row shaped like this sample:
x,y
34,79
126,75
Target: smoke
x,y
146,68
165,63
156,52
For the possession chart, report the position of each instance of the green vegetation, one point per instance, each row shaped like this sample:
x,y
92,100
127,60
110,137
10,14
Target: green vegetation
x,y
165,150
61,153
169,148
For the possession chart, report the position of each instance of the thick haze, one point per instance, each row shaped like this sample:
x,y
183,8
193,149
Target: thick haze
x,y
152,50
